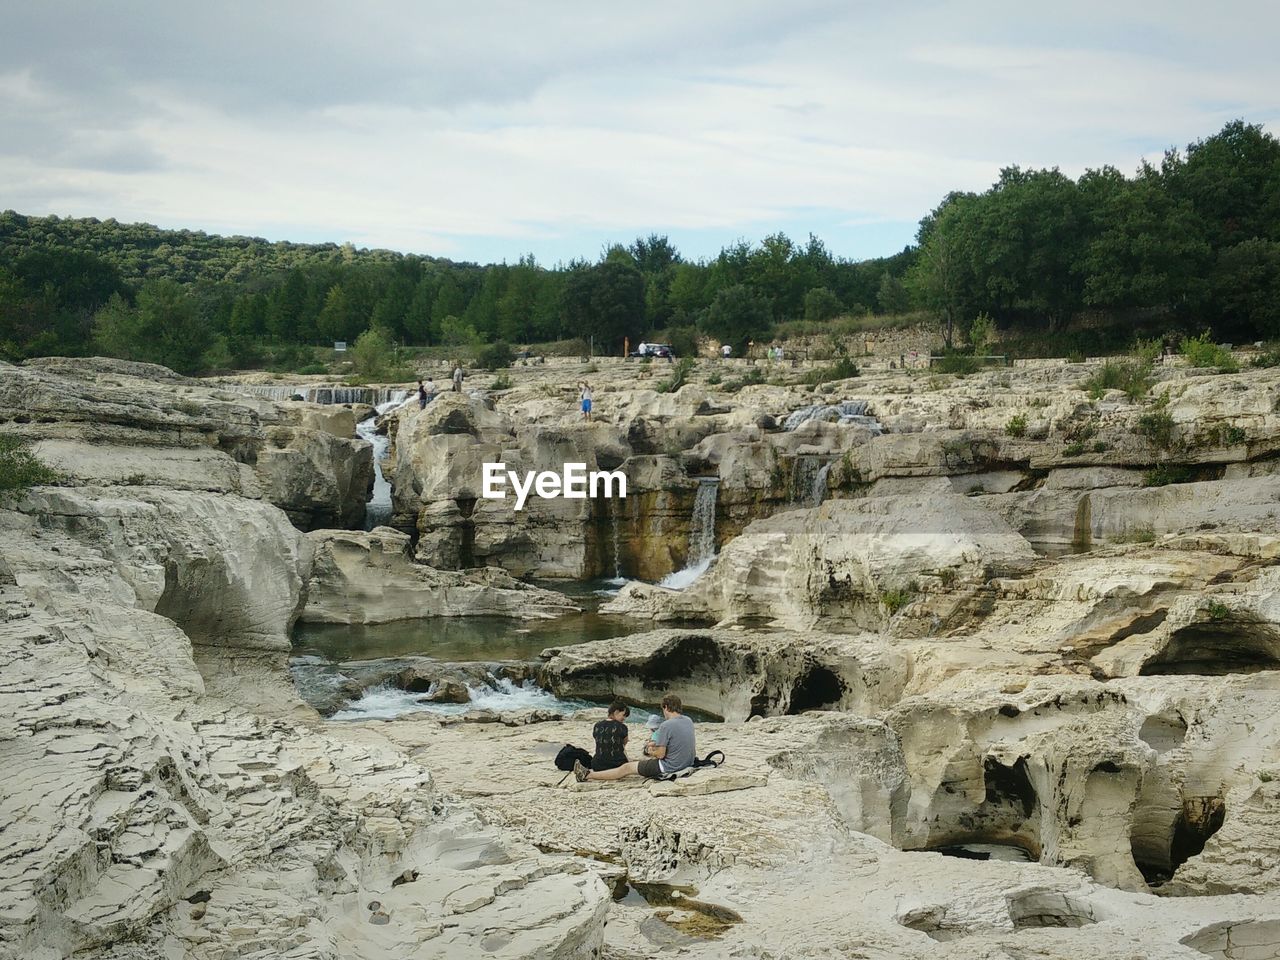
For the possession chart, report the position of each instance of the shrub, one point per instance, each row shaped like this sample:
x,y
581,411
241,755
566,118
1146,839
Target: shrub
x,y
1136,535
982,333
1158,428
312,368
894,600
1017,426
751,378
1131,377
372,352
1099,447
955,362
1231,436
1165,474
679,376
1073,449
495,356
1217,610
501,382
1201,351
1268,358
842,369
713,377
19,467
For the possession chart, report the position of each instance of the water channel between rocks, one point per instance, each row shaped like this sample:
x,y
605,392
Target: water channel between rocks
x,y
382,671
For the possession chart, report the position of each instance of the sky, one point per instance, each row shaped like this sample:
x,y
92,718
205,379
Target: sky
x,y
485,131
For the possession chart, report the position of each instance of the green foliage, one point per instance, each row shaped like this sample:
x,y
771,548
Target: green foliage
x,y
1073,449
679,376
714,377
19,468
843,369
895,599
1062,266
1132,377
753,377
1136,535
953,361
501,382
495,356
682,340
737,315
982,333
372,353
1201,351
1216,610
1165,474
312,368
1158,428
163,328
1017,425
820,305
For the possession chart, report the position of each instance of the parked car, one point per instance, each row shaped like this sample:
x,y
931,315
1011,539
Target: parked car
x,y
654,350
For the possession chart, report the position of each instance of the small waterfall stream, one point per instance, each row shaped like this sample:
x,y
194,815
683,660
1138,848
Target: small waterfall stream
x,y
846,412
617,552
702,536
378,510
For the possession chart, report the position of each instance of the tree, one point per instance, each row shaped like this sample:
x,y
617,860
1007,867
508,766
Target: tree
x,y
287,307
372,353
892,295
163,328
939,279
336,320
737,315
1246,282
820,305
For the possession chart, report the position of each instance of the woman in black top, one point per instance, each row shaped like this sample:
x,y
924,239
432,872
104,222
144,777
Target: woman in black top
x,y
611,738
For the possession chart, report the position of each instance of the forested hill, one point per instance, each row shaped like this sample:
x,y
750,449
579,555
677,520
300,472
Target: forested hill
x,y
1059,264
140,251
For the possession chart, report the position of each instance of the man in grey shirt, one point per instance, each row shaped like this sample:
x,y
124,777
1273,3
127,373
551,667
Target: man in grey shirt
x,y
671,750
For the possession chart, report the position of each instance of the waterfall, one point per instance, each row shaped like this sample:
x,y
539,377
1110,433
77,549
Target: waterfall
x,y
848,412
702,537
617,552
820,484
804,471
378,510
374,396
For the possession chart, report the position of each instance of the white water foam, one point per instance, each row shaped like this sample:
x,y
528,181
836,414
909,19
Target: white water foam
x,y
702,538
385,702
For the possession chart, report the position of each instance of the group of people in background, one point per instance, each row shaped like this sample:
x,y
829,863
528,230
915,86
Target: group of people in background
x,y
427,391
669,748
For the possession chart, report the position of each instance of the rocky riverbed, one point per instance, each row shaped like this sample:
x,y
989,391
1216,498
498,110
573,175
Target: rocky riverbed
x,y
993,661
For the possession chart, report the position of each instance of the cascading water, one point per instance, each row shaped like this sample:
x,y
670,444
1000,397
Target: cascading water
x,y
820,489
378,510
702,537
617,552
848,412
804,474
376,396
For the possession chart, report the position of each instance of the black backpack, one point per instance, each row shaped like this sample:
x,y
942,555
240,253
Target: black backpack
x,y
567,756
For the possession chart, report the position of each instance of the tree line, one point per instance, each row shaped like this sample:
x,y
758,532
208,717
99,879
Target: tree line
x,y
1193,242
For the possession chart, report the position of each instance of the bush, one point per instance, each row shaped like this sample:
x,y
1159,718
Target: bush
x,y
1073,449
679,376
1268,358
19,467
714,377
1166,474
312,368
751,378
1216,610
501,382
1158,428
1201,351
1017,426
894,600
842,369
1133,378
372,353
955,362
982,333
495,356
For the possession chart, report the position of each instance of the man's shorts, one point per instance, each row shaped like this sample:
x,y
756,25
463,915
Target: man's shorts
x,y
649,769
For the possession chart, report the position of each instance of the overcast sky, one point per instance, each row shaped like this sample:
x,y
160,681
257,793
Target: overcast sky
x,y
482,131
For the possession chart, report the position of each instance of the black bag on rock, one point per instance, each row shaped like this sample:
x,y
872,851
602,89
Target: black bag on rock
x,y
568,754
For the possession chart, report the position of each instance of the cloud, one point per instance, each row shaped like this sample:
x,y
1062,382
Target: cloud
x,y
488,130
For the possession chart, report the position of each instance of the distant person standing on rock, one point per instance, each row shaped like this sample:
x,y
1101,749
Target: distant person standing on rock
x,y
457,377
422,396
586,400
725,351
430,390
